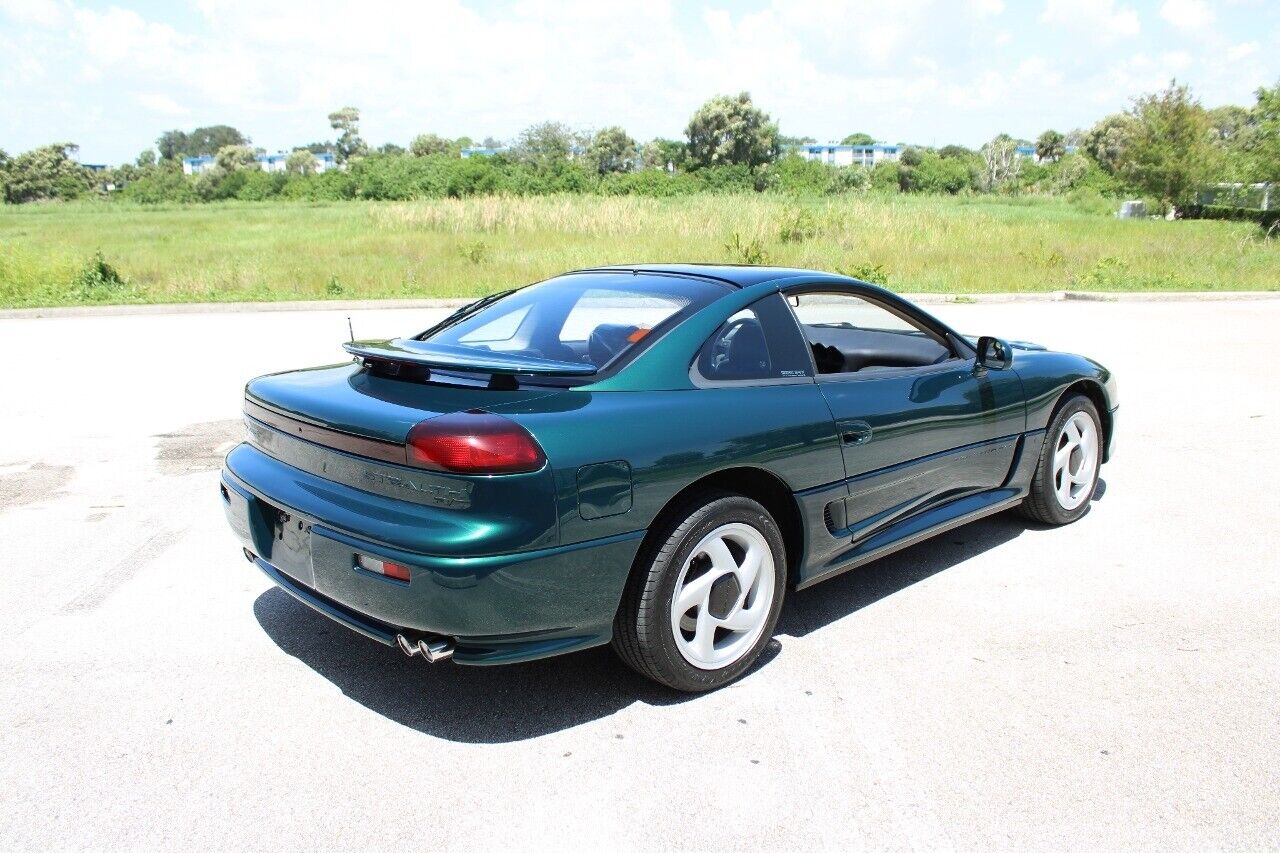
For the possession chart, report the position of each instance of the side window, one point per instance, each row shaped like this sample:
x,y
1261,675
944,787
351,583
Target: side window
x,y
850,334
759,342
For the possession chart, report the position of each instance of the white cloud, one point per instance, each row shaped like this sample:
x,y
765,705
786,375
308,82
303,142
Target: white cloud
x,y
163,105
1101,17
1240,51
926,71
1187,14
43,13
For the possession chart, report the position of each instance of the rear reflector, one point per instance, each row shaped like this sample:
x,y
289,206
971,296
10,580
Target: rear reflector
x,y
382,567
473,442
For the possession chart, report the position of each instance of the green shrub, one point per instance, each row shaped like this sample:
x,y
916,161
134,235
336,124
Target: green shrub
x,y
97,280
160,186
935,175
654,183
886,177
797,225
866,271
750,252
727,179
260,186
475,251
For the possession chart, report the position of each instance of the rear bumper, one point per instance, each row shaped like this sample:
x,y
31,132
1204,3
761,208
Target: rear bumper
x,y
497,608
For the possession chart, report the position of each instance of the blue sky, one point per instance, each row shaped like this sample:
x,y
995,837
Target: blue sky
x,y
113,76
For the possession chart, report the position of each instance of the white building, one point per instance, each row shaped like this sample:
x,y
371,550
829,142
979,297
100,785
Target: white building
x,y
266,162
846,155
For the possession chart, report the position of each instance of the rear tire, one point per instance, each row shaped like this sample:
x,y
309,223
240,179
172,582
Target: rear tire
x,y
1067,472
704,596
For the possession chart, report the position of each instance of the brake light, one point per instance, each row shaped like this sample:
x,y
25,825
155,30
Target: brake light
x,y
473,442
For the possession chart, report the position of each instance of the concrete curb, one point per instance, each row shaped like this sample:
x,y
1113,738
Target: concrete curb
x,y
406,304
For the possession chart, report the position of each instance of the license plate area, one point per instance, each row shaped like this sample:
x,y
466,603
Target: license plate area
x,y
290,550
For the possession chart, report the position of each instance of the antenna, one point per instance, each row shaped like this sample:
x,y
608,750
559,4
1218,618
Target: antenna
x,y
351,331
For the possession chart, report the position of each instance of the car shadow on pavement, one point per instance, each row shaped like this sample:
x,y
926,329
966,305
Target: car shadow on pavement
x,y
500,704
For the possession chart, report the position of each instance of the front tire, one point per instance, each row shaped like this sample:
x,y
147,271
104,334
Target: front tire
x,y
1067,472
705,595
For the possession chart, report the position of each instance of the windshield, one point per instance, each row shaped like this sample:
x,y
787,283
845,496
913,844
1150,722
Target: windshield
x,y
588,318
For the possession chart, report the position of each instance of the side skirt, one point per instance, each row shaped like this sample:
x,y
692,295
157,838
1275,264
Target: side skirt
x,y
921,527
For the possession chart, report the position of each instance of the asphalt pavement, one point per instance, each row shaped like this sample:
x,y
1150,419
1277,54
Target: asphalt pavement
x,y
1114,684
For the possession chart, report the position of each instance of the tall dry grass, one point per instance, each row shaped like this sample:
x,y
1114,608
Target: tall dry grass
x,y
452,247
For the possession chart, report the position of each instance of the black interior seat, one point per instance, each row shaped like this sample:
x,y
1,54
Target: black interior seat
x,y
741,353
845,349
607,340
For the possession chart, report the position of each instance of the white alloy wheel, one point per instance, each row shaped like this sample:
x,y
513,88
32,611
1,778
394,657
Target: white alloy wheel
x,y
1075,461
723,596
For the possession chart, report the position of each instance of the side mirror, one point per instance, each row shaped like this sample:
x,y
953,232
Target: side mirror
x,y
994,354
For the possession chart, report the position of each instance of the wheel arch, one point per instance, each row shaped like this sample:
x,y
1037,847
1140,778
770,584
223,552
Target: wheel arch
x,y
756,483
1097,395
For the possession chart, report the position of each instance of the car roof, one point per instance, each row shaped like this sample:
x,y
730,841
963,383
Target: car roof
x,y
735,274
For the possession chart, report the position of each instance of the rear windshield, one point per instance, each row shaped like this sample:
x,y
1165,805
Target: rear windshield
x,y
590,318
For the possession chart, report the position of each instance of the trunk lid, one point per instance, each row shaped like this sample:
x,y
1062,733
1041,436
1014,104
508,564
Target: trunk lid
x,y
354,400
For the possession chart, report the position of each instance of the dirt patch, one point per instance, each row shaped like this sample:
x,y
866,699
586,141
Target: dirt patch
x,y
21,483
198,447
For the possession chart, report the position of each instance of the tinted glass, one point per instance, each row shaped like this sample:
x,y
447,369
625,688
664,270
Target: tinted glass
x,y
759,342
589,318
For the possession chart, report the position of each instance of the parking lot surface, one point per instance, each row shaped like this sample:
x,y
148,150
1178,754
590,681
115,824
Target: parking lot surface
x,y
1112,684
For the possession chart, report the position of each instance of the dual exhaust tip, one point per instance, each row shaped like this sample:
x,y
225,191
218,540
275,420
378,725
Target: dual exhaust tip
x,y
434,649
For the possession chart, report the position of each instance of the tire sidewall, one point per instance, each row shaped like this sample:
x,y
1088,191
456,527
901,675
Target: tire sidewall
x,y
1060,514
713,514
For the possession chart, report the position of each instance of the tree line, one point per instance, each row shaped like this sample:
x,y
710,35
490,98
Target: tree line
x,y
1165,147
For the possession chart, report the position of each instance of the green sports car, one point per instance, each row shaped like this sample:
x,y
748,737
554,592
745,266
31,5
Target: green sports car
x,y
649,456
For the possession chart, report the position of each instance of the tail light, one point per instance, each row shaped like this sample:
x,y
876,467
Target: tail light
x,y
473,442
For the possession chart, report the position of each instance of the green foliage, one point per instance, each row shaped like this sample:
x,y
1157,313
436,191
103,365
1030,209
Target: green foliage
x,y
160,186
654,183
547,147
233,157
728,179
260,186
729,130
333,287
1265,147
611,150
796,225
933,174
866,271
1106,140
1051,145
1168,152
665,154
300,162
858,139
475,251
43,174
347,122
429,144
175,144
751,252
97,280
798,175
886,177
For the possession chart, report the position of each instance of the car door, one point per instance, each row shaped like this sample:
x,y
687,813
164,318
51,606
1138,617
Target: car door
x,y
920,424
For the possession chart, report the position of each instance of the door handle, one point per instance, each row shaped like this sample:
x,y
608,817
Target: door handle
x,y
855,432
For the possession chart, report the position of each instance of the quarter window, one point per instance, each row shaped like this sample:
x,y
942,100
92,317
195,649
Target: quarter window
x,y
760,342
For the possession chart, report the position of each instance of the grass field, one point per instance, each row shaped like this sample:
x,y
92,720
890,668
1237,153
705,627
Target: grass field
x,y
275,251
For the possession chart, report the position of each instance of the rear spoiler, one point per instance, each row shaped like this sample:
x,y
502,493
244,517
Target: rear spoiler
x,y
471,359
